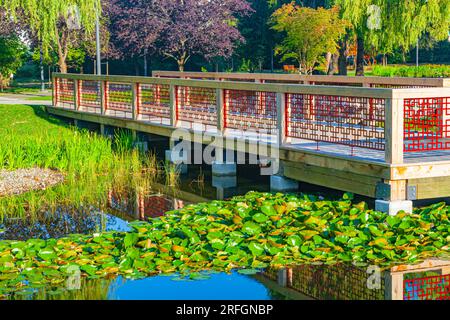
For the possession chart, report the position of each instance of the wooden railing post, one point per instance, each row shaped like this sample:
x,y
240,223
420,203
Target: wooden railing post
x,y
393,285
173,105
76,94
281,115
394,131
102,85
55,91
135,100
220,111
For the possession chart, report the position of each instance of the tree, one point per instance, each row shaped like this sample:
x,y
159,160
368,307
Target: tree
x,y
12,54
310,33
50,22
179,29
389,24
205,28
135,26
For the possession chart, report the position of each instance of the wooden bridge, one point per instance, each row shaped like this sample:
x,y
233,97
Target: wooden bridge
x,y
386,138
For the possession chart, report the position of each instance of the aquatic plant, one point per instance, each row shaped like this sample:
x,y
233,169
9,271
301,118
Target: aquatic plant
x,y
92,164
254,231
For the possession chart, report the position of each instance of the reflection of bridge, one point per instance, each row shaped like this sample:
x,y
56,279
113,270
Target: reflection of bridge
x,y
362,135
429,280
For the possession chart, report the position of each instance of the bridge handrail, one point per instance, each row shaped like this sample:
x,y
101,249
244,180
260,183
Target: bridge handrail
x,y
367,81
391,120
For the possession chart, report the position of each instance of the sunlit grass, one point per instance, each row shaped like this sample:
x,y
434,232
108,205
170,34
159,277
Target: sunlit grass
x,y
92,164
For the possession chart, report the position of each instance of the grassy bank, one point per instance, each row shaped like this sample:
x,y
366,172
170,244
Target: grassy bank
x,y
248,232
423,71
91,163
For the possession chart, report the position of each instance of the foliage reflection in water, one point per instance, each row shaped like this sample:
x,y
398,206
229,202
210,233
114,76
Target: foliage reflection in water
x,y
207,286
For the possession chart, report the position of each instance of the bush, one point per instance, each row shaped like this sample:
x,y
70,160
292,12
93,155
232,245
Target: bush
x,y
424,71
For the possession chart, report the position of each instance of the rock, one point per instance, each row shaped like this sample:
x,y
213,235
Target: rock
x,y
23,180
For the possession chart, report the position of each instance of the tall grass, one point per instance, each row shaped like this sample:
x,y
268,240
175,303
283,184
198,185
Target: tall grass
x,y
92,164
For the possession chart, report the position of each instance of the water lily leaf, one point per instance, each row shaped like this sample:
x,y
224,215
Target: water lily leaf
x,y
308,234
294,241
251,228
380,242
47,254
130,239
260,218
256,248
268,210
393,221
248,271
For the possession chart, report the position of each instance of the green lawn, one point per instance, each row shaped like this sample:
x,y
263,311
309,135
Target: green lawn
x,y
40,98
28,120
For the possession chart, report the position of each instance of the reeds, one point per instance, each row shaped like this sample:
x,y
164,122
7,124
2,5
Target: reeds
x,y
91,163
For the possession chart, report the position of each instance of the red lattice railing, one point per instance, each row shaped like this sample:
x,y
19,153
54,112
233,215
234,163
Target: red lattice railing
x,y
251,110
64,93
429,288
119,99
427,124
196,105
89,96
154,102
352,121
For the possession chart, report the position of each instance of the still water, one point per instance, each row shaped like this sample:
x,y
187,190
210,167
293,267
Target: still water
x,y
120,210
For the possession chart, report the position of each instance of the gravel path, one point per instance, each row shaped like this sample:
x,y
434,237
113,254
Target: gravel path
x,y
24,180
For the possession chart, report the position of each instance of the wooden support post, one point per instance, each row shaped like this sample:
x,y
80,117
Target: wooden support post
x,y
76,94
281,114
135,100
260,100
103,97
220,111
394,131
173,106
55,91
393,286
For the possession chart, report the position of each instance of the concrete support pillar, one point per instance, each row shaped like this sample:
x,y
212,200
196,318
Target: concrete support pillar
x,y
393,196
279,183
394,207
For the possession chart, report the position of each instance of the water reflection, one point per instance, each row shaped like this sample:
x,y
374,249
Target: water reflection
x,y
218,286
120,209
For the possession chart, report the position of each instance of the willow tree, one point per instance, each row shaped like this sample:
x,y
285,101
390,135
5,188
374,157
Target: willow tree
x,y
389,24
55,23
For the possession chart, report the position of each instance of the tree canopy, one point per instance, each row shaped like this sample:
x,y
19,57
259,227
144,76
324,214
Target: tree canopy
x,y
179,29
310,33
42,16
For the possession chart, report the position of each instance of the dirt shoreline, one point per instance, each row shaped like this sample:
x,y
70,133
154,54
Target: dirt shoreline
x,y
24,180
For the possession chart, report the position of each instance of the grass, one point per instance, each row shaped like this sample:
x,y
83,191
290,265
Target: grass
x,y
423,71
92,164
40,98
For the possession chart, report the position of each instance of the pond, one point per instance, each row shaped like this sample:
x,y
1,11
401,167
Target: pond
x,y
121,208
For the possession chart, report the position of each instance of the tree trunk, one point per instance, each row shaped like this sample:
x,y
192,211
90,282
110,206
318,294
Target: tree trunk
x,y
62,65
342,60
360,56
333,68
181,66
328,62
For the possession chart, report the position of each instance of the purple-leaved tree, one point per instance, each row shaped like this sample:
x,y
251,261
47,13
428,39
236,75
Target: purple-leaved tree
x,y
178,29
